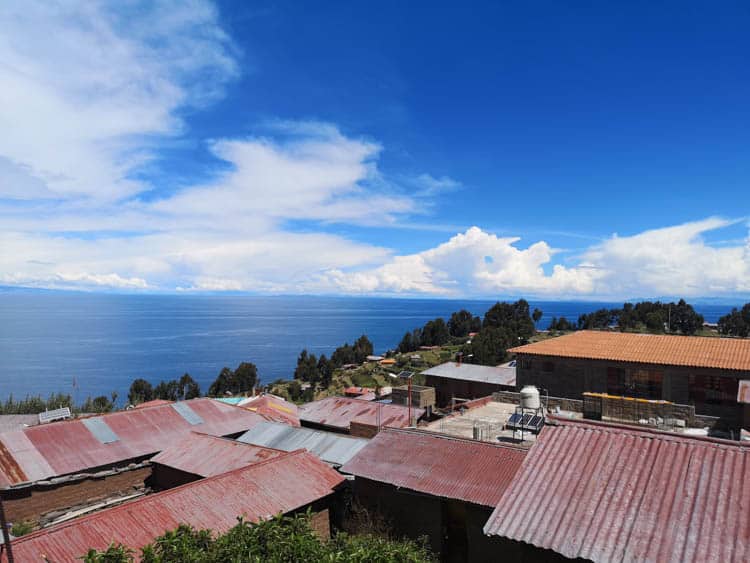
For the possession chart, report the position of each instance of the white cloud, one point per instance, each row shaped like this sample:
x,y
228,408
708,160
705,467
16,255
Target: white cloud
x,y
84,83
90,90
311,172
672,261
471,263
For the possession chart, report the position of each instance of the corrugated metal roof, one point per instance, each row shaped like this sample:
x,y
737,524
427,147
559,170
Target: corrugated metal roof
x,y
335,449
17,422
258,491
61,448
611,493
153,403
693,351
205,456
340,412
273,408
495,375
98,427
444,466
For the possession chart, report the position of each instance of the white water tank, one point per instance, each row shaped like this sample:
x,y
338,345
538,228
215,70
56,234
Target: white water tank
x,y
530,397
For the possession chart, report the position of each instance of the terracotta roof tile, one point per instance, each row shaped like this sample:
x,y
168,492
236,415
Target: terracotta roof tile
x,y
692,351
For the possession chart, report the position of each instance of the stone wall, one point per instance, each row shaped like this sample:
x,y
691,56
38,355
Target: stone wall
x,y
421,397
30,503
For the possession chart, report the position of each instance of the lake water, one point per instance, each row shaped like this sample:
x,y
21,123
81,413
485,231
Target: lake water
x,y
106,341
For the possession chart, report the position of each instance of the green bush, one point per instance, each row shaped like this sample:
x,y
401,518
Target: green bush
x,y
22,528
279,540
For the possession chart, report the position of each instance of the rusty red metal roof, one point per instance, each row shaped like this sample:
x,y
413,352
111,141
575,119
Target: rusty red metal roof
x,y
661,349
61,448
205,456
273,408
340,412
154,403
611,493
256,492
443,466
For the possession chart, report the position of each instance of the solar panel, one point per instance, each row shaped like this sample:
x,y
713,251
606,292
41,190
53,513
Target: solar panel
x,y
514,419
187,413
57,414
526,419
98,427
536,422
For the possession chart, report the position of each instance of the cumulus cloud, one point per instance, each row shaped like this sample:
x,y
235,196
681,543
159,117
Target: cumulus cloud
x,y
668,261
90,91
471,263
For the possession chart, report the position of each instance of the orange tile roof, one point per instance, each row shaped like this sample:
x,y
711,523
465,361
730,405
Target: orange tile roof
x,y
692,351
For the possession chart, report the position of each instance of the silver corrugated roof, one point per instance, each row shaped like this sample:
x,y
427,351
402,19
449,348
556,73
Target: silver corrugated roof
x,y
331,448
98,427
187,413
497,375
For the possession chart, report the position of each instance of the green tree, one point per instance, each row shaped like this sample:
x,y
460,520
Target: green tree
x,y
223,384
361,349
140,392
511,317
462,323
736,322
167,390
684,318
536,316
410,342
245,377
561,324
188,387
489,346
435,333
307,368
325,369
100,404
343,355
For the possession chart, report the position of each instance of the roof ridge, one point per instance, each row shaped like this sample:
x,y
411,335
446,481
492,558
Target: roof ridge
x,y
606,426
422,432
160,495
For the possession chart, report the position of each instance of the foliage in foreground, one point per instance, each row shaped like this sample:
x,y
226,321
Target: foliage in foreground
x,y
282,539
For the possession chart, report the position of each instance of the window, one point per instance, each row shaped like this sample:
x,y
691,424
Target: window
x,y
713,390
641,383
524,363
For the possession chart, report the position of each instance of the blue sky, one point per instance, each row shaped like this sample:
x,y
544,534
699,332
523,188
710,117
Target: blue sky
x,y
574,150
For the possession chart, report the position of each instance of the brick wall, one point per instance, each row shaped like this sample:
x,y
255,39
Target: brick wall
x,y
32,502
570,378
362,430
321,524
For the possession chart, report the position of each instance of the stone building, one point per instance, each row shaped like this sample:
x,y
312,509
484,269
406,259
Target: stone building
x,y
468,381
686,370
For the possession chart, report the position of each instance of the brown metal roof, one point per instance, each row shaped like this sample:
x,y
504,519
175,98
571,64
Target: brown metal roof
x,y
205,456
611,493
443,466
662,349
62,448
258,491
340,412
273,408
